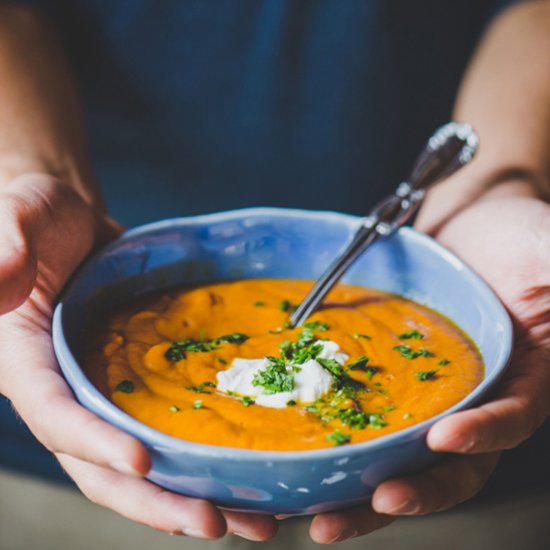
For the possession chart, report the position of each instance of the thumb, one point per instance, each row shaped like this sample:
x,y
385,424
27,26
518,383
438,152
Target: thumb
x,y
18,262
46,230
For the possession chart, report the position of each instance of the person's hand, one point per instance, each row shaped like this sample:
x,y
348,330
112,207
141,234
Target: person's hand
x,y
47,229
506,239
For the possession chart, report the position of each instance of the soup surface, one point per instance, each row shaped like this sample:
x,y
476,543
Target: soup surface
x,y
367,364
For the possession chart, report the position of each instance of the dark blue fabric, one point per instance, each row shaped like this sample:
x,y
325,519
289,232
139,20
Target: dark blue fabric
x,y
202,105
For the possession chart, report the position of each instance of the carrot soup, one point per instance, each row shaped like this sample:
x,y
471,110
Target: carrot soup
x,y
217,364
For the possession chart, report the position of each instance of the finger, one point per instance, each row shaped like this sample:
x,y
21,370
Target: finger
x,y
444,485
17,259
64,426
144,502
514,414
256,527
343,525
42,218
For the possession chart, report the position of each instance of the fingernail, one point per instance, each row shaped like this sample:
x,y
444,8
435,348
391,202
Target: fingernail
x,y
197,533
405,507
247,537
281,517
346,534
124,468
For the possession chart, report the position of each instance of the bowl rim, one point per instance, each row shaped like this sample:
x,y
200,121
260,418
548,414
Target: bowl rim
x,y
151,437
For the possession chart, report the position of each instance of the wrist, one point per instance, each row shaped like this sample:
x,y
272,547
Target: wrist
x,y
470,187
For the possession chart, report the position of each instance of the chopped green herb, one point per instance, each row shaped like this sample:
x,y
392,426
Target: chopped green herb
x,y
291,403
317,325
259,303
307,337
407,415
376,421
222,360
443,362
411,335
247,401
332,366
358,364
426,375
126,386
364,336
407,352
200,387
287,349
380,388
235,338
338,438
371,371
286,306
177,351
389,408
229,392
197,404
275,377
353,418
305,353
174,408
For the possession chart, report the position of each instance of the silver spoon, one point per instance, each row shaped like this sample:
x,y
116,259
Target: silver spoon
x,y
451,147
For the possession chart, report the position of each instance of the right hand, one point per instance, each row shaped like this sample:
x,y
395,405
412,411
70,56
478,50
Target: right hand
x,y
46,230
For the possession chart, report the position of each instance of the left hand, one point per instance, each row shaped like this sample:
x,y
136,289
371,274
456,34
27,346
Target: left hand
x,y
506,239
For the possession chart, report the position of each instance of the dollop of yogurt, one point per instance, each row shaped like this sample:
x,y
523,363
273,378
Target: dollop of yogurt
x,y
311,379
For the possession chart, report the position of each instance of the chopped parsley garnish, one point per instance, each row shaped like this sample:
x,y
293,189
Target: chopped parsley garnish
x,y
332,366
411,335
371,371
306,353
443,362
126,386
197,404
259,303
234,338
291,403
376,421
407,352
307,337
338,438
389,408
426,375
407,415
363,336
275,377
174,408
247,401
200,387
222,360
358,364
287,307
317,325
353,418
177,351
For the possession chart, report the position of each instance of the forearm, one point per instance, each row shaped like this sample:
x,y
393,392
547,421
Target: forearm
x,y
40,120
505,95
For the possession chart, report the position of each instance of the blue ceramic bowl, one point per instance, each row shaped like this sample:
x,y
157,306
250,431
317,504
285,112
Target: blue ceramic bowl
x,y
276,243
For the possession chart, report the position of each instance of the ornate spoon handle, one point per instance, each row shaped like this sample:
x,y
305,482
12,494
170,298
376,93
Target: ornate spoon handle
x,y
451,147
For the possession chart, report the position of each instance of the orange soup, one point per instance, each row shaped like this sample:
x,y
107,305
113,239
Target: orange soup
x,y
217,364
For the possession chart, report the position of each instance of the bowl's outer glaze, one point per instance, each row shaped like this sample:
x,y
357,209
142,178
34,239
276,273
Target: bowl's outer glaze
x,y
265,242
